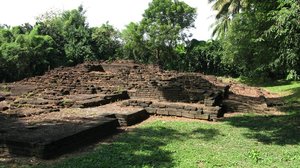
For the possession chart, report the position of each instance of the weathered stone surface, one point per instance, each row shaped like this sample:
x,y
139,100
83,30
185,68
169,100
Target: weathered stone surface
x,y
151,110
52,139
3,108
126,103
162,112
175,112
93,102
162,105
144,105
94,84
131,118
2,98
202,116
188,115
191,108
175,106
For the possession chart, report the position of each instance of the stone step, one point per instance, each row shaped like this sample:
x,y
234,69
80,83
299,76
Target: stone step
x,y
98,101
27,111
48,140
187,110
131,118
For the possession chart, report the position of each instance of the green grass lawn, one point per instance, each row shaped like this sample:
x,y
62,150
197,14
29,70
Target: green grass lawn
x,y
290,90
241,141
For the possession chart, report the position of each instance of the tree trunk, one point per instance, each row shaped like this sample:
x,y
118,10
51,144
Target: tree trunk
x,y
158,60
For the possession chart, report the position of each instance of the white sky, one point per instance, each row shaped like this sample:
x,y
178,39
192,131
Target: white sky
x,y
118,12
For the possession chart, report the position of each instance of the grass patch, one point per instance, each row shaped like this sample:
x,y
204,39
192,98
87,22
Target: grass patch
x,y
242,141
290,90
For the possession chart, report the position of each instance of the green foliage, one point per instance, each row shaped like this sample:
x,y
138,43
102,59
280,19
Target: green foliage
x,y
105,42
77,36
164,24
57,39
134,44
286,33
255,155
71,34
25,54
161,34
226,11
206,57
51,24
263,41
257,39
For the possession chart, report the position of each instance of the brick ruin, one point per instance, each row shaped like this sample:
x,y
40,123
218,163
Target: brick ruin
x,y
135,91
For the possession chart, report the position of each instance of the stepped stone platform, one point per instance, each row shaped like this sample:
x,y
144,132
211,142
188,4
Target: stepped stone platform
x,y
51,138
187,110
40,116
48,135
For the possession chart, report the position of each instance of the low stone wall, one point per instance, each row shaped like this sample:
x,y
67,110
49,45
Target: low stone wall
x,y
131,118
101,101
187,110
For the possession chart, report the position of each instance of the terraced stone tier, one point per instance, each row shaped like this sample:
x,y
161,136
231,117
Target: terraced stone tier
x,y
131,118
187,110
50,139
98,101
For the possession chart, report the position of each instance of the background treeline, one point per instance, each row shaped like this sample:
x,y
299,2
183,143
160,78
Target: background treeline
x,y
259,39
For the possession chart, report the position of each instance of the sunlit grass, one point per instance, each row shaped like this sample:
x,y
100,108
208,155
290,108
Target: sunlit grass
x,y
243,141
289,90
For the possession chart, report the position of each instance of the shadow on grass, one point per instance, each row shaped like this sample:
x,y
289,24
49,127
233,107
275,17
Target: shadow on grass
x,y
143,147
279,130
206,134
294,97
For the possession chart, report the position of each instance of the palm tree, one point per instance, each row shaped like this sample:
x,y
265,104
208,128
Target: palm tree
x,y
226,9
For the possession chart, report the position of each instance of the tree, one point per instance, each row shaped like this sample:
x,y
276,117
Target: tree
x,y
50,23
286,33
226,11
70,32
164,26
249,47
77,36
105,41
134,44
24,55
6,36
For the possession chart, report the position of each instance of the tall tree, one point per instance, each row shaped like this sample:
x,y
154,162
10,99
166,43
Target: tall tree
x,y
286,33
134,44
164,24
77,36
50,23
226,10
256,40
105,41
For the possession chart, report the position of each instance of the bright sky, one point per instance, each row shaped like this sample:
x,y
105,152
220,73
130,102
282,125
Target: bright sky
x,y
118,12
